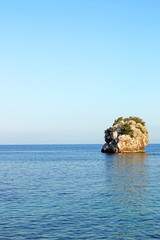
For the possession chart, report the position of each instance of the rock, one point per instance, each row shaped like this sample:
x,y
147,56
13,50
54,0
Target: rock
x,y
126,135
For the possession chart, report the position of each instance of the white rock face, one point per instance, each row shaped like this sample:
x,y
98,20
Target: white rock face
x,y
126,136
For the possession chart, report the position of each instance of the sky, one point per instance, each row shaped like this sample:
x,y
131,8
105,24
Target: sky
x,y
69,68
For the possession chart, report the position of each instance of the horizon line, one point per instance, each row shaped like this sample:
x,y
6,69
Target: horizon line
x,y
59,144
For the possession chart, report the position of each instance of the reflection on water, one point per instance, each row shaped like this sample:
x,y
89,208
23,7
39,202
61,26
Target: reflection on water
x,y
128,176
133,156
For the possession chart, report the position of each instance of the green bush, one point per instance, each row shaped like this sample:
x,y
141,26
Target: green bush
x,y
117,120
126,130
136,119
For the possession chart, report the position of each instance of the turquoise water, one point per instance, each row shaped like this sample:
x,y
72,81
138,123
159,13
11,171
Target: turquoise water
x,y
76,192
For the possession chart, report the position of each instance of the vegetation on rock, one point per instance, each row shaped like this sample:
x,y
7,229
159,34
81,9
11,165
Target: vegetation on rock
x,y
117,120
136,119
126,130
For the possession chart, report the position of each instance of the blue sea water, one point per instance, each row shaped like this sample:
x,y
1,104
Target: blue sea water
x,y
65,192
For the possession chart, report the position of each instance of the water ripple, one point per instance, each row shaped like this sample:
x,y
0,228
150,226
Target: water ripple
x,y
76,192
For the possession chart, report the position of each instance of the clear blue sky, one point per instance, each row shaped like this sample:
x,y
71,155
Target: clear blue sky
x,y
68,68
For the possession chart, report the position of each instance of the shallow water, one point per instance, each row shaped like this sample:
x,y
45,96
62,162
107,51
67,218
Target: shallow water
x,y
77,192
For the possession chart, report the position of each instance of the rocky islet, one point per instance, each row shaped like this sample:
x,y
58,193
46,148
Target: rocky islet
x,y
126,135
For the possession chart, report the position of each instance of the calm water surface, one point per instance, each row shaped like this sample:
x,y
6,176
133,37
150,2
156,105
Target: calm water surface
x,y
76,192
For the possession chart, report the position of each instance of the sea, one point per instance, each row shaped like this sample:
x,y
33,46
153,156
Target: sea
x,y
63,192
